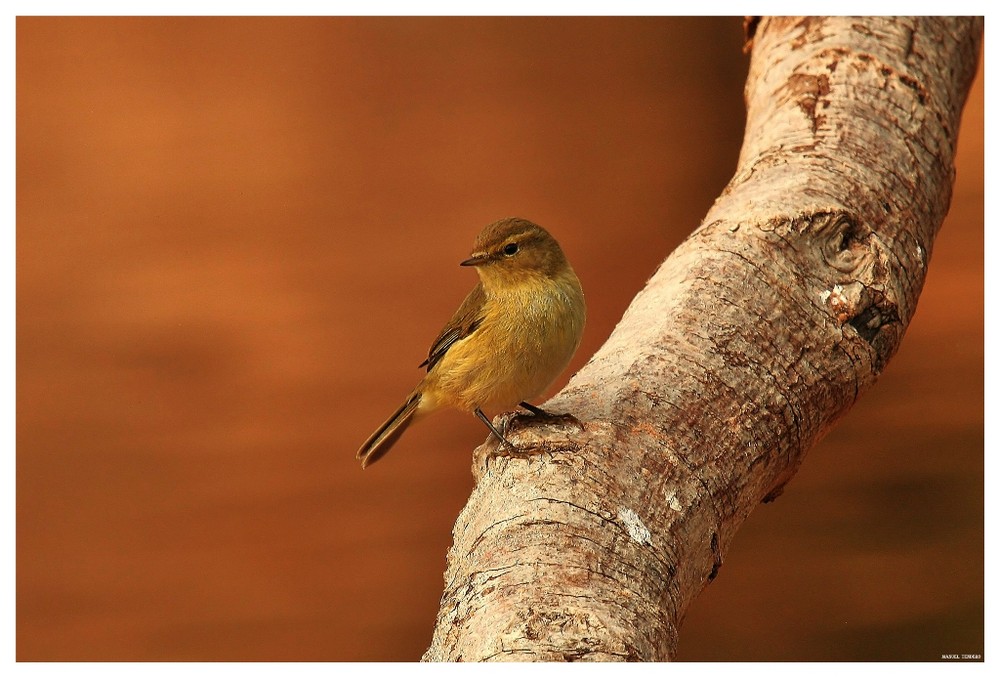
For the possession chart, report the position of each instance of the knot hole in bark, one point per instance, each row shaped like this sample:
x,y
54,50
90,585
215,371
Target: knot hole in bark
x,y
860,293
846,243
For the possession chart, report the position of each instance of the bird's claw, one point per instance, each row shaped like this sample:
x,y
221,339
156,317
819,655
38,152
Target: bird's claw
x,y
538,414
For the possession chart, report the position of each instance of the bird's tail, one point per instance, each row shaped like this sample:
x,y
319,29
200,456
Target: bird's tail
x,y
388,433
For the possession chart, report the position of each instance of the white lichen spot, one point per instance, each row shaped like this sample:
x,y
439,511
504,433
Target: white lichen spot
x,y
834,297
838,302
920,254
837,298
634,527
673,502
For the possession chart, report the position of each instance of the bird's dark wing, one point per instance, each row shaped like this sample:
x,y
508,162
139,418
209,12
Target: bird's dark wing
x,y
466,320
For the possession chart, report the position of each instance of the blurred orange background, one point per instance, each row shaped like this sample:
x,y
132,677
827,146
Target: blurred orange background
x,y
236,238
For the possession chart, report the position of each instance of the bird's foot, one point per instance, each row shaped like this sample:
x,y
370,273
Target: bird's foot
x,y
538,413
512,421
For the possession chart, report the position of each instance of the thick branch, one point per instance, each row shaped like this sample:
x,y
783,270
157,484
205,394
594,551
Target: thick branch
x,y
751,339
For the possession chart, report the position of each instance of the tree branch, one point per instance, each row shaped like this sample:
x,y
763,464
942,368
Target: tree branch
x,y
749,342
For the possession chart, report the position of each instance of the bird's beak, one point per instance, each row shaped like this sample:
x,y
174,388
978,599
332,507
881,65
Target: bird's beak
x,y
476,259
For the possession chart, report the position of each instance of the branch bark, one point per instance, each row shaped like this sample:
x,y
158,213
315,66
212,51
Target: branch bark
x,y
749,342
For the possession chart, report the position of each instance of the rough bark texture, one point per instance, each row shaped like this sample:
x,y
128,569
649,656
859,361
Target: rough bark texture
x,y
752,338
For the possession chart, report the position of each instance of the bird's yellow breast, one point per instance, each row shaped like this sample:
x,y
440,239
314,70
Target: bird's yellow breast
x,y
529,333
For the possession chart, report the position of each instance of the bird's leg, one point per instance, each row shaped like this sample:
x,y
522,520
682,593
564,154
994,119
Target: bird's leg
x,y
489,424
507,448
539,412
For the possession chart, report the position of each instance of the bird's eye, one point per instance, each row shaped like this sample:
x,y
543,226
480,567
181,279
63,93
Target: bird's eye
x,y
510,249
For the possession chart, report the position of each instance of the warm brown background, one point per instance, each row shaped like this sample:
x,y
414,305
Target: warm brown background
x,y
237,237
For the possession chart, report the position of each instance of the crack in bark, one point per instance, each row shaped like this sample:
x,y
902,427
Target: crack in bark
x,y
482,535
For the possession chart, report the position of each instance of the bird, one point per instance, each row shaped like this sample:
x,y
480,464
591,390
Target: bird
x,y
512,336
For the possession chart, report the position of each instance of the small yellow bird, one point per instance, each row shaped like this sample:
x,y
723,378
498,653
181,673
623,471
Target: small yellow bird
x,y
508,341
